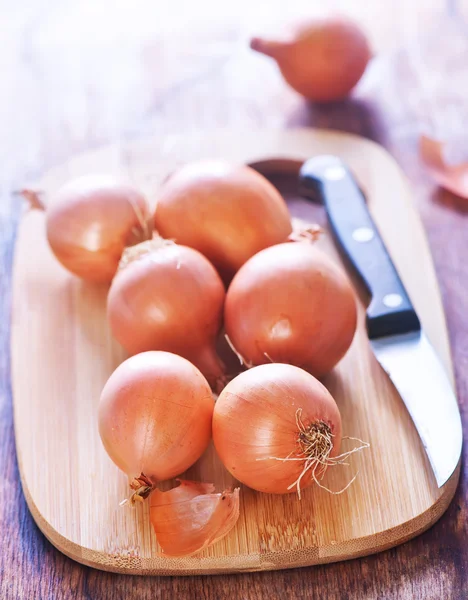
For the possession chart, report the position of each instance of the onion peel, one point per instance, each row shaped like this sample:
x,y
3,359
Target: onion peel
x,y
304,232
453,178
33,198
192,517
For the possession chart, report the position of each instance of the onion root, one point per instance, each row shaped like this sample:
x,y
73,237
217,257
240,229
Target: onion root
x,y
315,444
142,487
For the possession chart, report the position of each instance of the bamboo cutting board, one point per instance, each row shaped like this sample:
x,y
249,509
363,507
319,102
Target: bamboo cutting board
x,y
62,354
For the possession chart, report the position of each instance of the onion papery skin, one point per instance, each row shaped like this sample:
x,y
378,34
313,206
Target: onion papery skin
x,y
290,303
228,212
91,220
192,517
170,298
155,415
255,425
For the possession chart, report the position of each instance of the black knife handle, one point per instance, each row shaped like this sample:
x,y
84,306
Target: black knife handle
x,y
328,180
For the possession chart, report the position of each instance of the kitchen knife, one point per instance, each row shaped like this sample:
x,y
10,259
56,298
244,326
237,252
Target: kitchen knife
x,y
394,330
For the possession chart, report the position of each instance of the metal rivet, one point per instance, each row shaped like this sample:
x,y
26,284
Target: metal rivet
x,y
363,234
335,173
392,300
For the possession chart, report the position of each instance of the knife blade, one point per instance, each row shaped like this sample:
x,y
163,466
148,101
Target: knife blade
x,y
395,333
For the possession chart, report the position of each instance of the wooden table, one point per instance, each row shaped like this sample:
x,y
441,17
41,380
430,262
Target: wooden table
x,y
76,75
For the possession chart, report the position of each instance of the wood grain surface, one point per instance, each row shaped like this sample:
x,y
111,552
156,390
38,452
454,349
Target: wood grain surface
x,y
63,319
76,75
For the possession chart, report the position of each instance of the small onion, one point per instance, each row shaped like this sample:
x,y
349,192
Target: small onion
x,y
168,297
155,417
322,59
276,428
192,517
290,303
226,211
90,221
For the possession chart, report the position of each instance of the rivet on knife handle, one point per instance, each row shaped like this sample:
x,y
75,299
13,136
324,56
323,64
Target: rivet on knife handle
x,y
326,178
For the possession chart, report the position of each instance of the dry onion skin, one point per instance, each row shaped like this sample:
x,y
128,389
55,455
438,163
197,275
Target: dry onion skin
x,y
168,297
322,59
452,177
192,517
155,415
89,222
277,429
228,212
291,304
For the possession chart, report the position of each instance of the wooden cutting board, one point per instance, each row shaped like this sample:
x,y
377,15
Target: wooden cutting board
x,y
62,354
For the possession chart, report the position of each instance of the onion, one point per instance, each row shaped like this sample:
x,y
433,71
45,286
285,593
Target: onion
x,y
276,428
291,304
155,417
228,212
91,220
322,59
168,297
191,517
